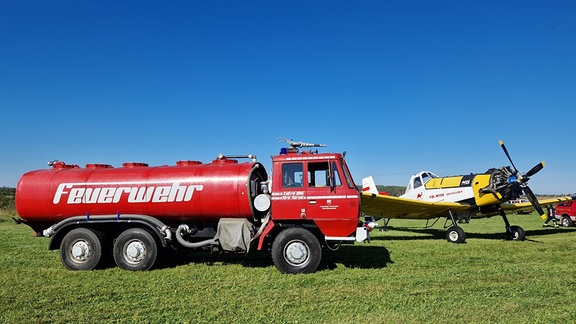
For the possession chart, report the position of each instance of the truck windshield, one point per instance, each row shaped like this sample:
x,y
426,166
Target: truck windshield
x,y
349,180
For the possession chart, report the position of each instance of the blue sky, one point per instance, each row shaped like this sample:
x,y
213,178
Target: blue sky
x,y
401,86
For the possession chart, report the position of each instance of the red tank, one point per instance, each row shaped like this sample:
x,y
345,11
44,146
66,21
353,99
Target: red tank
x,y
189,192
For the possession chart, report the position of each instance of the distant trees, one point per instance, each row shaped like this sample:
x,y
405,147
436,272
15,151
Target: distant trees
x,y
7,196
392,190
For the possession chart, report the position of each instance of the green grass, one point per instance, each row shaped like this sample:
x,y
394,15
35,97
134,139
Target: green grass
x,y
407,274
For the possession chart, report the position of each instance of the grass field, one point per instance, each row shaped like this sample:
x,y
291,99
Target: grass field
x,y
405,275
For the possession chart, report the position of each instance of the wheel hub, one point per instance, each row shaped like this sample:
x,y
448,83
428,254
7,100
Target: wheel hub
x,y
80,251
296,253
453,236
135,251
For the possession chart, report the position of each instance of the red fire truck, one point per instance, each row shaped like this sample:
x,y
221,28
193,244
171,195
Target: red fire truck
x,y
135,212
566,213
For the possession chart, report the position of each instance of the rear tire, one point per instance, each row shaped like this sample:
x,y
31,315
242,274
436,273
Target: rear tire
x,y
455,234
296,250
81,249
567,221
135,249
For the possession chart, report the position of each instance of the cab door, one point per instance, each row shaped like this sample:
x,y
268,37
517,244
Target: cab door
x,y
325,196
331,203
288,190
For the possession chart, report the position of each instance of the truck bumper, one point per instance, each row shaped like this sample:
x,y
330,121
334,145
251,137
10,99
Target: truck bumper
x,y
362,234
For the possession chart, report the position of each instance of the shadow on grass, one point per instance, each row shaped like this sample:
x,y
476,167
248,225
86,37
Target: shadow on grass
x,y
435,234
353,256
255,259
361,256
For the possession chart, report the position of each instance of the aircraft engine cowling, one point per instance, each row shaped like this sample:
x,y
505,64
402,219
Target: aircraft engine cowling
x,y
495,186
503,181
189,192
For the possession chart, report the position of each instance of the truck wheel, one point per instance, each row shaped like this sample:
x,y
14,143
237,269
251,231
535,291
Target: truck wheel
x,y
296,250
135,249
455,234
567,222
80,249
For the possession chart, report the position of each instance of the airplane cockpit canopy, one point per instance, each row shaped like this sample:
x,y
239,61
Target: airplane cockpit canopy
x,y
422,178
427,176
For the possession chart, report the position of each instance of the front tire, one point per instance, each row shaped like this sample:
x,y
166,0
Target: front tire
x,y
80,249
135,249
296,250
455,234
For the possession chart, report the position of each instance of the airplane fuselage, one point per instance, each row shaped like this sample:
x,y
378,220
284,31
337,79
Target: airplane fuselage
x,y
473,189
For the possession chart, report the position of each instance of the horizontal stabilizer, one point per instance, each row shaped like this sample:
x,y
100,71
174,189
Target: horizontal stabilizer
x,y
369,186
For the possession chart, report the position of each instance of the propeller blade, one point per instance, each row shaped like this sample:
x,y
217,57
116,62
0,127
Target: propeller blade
x,y
534,201
508,155
535,169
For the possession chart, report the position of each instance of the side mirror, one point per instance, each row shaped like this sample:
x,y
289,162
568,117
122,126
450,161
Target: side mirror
x,y
331,180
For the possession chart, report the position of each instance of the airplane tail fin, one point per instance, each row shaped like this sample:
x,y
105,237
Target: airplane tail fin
x,y
368,185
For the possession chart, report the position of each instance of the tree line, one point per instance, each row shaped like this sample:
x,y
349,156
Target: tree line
x,y
7,196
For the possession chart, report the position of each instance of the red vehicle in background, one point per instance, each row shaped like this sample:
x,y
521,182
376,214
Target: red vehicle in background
x,y
566,213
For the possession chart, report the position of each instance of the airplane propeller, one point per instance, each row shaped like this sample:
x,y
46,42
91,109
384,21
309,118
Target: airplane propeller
x,y
535,169
523,179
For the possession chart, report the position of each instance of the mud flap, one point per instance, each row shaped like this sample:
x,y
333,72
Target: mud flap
x,y
362,234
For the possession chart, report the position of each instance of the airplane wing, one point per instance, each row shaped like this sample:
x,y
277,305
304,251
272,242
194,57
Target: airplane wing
x,y
510,206
393,207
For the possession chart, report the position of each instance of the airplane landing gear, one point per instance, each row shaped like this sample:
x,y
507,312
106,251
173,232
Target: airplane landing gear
x,y
515,233
455,234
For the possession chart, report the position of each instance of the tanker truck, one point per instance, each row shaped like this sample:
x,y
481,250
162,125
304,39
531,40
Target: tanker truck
x,y
135,213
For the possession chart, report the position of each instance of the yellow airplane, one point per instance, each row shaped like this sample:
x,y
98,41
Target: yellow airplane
x,y
459,198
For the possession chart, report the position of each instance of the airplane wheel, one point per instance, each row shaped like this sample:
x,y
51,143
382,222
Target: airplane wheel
x,y
455,234
567,222
516,233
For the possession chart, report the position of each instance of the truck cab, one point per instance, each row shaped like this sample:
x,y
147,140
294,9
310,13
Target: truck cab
x,y
318,188
314,204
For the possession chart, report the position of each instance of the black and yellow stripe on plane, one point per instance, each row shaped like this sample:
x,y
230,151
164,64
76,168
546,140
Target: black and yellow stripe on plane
x,y
476,181
450,182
